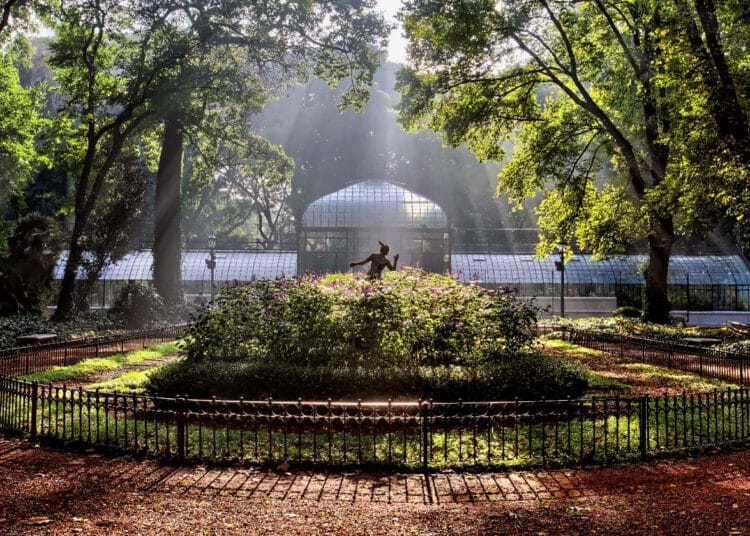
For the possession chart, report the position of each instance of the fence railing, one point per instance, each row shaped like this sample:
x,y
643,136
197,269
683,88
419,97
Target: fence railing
x,y
421,435
29,359
708,362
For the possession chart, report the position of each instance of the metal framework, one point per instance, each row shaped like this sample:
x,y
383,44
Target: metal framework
x,y
348,224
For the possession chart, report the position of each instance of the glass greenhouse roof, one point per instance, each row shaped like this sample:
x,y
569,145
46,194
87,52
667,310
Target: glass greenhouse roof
x,y
525,269
491,269
230,266
374,203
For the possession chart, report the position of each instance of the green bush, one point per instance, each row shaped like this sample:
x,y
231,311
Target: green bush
x,y
528,375
85,326
627,312
409,318
411,335
138,305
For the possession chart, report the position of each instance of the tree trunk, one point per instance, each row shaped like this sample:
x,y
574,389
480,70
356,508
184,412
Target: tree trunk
x,y
167,233
66,298
656,299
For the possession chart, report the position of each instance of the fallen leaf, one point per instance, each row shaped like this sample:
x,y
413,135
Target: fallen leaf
x,y
36,520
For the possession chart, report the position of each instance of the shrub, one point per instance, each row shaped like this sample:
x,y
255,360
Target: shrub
x,y
408,318
627,312
84,326
137,305
528,375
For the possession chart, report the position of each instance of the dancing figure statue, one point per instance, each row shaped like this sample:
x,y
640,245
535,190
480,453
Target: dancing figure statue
x,y
378,262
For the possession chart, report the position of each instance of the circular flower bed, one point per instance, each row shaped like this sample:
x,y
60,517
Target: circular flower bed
x,y
409,335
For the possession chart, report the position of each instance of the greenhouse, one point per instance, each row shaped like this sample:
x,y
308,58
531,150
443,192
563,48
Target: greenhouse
x,y
346,225
231,266
720,282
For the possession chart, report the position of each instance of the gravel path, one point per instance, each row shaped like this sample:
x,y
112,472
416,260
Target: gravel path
x,y
48,492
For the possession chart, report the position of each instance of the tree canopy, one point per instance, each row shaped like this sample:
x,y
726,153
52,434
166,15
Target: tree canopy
x,y
603,99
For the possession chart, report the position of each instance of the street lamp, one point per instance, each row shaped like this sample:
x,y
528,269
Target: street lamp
x,y
211,261
560,267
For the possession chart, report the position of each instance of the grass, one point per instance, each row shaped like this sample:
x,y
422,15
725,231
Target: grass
x,y
131,382
686,380
92,366
586,431
575,350
644,374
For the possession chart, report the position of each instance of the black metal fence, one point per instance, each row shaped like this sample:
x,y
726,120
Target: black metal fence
x,y
412,435
709,362
29,359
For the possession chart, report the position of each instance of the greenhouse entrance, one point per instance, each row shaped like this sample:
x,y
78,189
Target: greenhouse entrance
x,y
348,224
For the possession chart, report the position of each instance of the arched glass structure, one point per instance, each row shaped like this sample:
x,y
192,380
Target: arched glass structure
x,y
695,282
231,266
347,225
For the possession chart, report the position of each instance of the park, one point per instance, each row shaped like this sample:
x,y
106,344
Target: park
x,y
381,267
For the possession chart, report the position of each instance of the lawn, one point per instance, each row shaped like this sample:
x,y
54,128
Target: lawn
x,y
612,374
94,366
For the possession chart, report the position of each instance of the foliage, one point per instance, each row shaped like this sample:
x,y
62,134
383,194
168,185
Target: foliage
x,y
20,125
528,375
627,312
26,271
408,318
82,326
103,364
602,100
409,335
138,305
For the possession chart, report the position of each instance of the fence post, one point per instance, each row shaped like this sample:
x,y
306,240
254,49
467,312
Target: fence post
x,y
643,425
27,363
181,449
34,395
65,356
425,428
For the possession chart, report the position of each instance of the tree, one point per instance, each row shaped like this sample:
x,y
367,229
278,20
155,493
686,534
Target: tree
x,y
240,52
26,271
239,191
581,86
109,233
19,125
108,77
17,11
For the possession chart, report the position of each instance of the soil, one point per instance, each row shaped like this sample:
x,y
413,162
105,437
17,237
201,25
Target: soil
x,y
48,492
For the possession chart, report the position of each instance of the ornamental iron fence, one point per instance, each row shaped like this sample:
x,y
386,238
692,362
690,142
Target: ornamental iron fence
x,y
422,435
29,359
704,361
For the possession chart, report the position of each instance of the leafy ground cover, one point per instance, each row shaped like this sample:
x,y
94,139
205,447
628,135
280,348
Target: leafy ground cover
x,y
629,326
87,369
612,374
82,327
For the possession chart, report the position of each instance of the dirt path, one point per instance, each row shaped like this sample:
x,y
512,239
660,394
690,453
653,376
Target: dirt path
x,y
83,381
48,492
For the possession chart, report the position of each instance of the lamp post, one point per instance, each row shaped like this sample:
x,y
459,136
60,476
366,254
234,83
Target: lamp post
x,y
211,261
560,267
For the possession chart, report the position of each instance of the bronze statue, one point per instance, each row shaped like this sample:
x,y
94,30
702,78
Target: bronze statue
x,y
378,261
